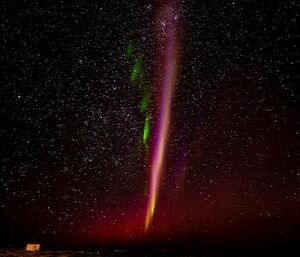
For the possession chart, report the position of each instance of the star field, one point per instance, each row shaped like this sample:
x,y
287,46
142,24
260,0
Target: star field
x,y
74,169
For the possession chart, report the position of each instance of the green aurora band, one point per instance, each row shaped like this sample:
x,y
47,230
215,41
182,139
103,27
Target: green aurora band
x,y
129,50
136,70
136,78
146,130
144,104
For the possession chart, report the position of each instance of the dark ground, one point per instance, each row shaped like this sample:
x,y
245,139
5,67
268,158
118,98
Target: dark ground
x,y
142,253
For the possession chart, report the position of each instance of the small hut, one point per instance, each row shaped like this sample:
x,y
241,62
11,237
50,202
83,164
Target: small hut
x,y
32,247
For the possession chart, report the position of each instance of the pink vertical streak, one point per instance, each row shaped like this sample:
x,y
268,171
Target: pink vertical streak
x,y
159,148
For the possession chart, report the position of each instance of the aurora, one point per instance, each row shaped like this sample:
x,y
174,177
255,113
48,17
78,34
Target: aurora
x,y
129,49
146,130
136,70
167,38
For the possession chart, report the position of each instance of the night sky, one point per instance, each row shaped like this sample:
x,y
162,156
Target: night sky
x,y
83,82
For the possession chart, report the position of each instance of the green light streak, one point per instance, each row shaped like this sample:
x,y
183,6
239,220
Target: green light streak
x,y
136,70
146,130
129,49
145,100
136,78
